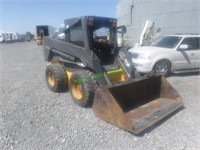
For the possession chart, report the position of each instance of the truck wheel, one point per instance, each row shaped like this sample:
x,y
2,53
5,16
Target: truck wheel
x,y
56,78
163,67
82,88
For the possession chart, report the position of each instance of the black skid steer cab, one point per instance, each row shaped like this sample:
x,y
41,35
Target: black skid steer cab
x,y
86,59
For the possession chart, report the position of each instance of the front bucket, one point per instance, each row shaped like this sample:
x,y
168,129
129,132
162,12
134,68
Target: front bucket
x,y
136,105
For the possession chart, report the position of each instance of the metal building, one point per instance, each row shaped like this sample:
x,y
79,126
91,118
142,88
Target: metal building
x,y
168,17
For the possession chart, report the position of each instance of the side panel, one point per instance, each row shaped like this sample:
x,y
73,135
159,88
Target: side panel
x,y
185,60
188,58
72,50
47,46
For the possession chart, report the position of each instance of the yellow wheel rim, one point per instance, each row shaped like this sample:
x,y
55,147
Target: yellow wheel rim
x,y
51,79
77,91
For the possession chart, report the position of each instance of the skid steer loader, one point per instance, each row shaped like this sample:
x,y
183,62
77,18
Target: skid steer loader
x,y
86,59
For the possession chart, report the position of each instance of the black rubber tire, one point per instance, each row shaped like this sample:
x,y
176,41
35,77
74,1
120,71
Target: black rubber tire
x,y
87,88
56,78
163,67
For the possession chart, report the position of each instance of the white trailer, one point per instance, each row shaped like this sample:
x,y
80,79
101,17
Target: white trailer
x,y
2,37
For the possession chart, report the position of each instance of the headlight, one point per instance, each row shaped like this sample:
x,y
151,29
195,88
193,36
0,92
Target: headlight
x,y
143,56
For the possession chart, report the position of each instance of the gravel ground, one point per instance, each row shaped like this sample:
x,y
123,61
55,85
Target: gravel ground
x,y
34,118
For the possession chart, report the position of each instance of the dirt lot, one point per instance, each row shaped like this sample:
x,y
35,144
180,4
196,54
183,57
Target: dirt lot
x,y
33,118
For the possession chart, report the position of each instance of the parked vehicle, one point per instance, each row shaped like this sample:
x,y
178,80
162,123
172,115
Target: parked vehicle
x,y
12,37
2,37
85,57
42,31
169,54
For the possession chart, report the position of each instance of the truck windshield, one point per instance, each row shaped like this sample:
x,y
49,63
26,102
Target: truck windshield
x,y
167,41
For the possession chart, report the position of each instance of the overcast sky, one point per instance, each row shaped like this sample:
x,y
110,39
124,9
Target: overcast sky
x,y
23,15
